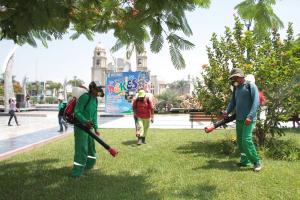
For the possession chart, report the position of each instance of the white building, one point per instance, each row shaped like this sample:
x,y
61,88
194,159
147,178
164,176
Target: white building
x,y
100,68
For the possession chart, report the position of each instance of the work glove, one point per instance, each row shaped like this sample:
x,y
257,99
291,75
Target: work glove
x,y
89,124
224,114
97,133
247,121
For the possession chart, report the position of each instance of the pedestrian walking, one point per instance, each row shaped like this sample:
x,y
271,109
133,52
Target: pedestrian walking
x,y
61,108
12,111
144,113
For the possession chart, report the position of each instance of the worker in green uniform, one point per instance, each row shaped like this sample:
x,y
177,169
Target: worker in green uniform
x,y
86,113
245,102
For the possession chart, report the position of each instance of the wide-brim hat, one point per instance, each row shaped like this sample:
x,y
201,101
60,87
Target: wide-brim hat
x,y
142,93
96,85
236,72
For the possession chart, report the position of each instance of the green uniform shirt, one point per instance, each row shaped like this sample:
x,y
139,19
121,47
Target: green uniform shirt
x,y
86,110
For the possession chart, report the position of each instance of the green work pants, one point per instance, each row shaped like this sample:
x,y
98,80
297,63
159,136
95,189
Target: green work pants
x,y
245,143
143,126
85,152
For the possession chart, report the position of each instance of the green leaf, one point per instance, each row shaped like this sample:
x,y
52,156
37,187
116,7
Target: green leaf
x,y
157,43
75,36
202,3
176,57
186,29
129,51
117,46
179,42
89,35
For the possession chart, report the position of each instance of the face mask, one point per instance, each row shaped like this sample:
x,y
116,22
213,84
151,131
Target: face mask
x,y
235,83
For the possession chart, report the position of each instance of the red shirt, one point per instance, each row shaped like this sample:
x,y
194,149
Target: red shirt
x,y
142,108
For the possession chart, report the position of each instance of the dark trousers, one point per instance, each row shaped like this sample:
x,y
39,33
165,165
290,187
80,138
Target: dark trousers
x,y
62,122
12,114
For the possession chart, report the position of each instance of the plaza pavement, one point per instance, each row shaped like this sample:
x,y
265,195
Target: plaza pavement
x,y
39,127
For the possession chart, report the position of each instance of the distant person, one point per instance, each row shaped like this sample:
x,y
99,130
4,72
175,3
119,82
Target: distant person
x,y
86,113
12,111
61,108
245,102
147,95
144,113
27,101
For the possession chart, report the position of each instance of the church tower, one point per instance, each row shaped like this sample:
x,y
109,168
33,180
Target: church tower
x,y
141,61
99,67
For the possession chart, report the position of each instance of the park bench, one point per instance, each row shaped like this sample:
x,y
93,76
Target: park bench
x,y
200,117
295,119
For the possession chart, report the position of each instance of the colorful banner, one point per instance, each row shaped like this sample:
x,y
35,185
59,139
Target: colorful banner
x,y
120,89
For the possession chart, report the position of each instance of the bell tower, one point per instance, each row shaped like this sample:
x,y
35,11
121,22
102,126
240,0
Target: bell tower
x,y
141,61
99,68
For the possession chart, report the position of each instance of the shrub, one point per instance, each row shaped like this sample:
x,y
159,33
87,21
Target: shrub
x,y
33,100
228,145
283,149
51,100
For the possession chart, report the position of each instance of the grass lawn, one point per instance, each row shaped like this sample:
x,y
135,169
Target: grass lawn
x,y
175,164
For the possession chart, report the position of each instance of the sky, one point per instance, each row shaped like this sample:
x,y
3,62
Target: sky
x,y
66,58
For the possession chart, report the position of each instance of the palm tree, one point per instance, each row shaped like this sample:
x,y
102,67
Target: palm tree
x,y
260,13
179,87
182,85
75,82
166,99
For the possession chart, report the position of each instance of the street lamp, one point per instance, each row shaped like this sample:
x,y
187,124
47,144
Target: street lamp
x,y
75,77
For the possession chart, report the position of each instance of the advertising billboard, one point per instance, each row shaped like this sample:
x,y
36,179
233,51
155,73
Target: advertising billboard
x,y
120,89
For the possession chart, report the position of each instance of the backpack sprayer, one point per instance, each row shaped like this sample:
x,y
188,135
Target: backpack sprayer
x,y
70,118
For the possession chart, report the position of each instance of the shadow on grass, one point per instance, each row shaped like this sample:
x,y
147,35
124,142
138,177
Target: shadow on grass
x,y
210,149
43,179
223,165
205,149
130,143
206,191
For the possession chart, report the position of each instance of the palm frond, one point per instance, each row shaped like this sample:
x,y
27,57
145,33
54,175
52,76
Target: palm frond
x,y
176,57
157,43
180,42
246,9
75,36
89,35
30,40
186,29
129,50
117,46
202,3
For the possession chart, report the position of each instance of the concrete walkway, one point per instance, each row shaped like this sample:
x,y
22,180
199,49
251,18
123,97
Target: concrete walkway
x,y
36,128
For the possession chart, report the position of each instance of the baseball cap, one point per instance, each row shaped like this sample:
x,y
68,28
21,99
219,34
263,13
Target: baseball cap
x,y
142,93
